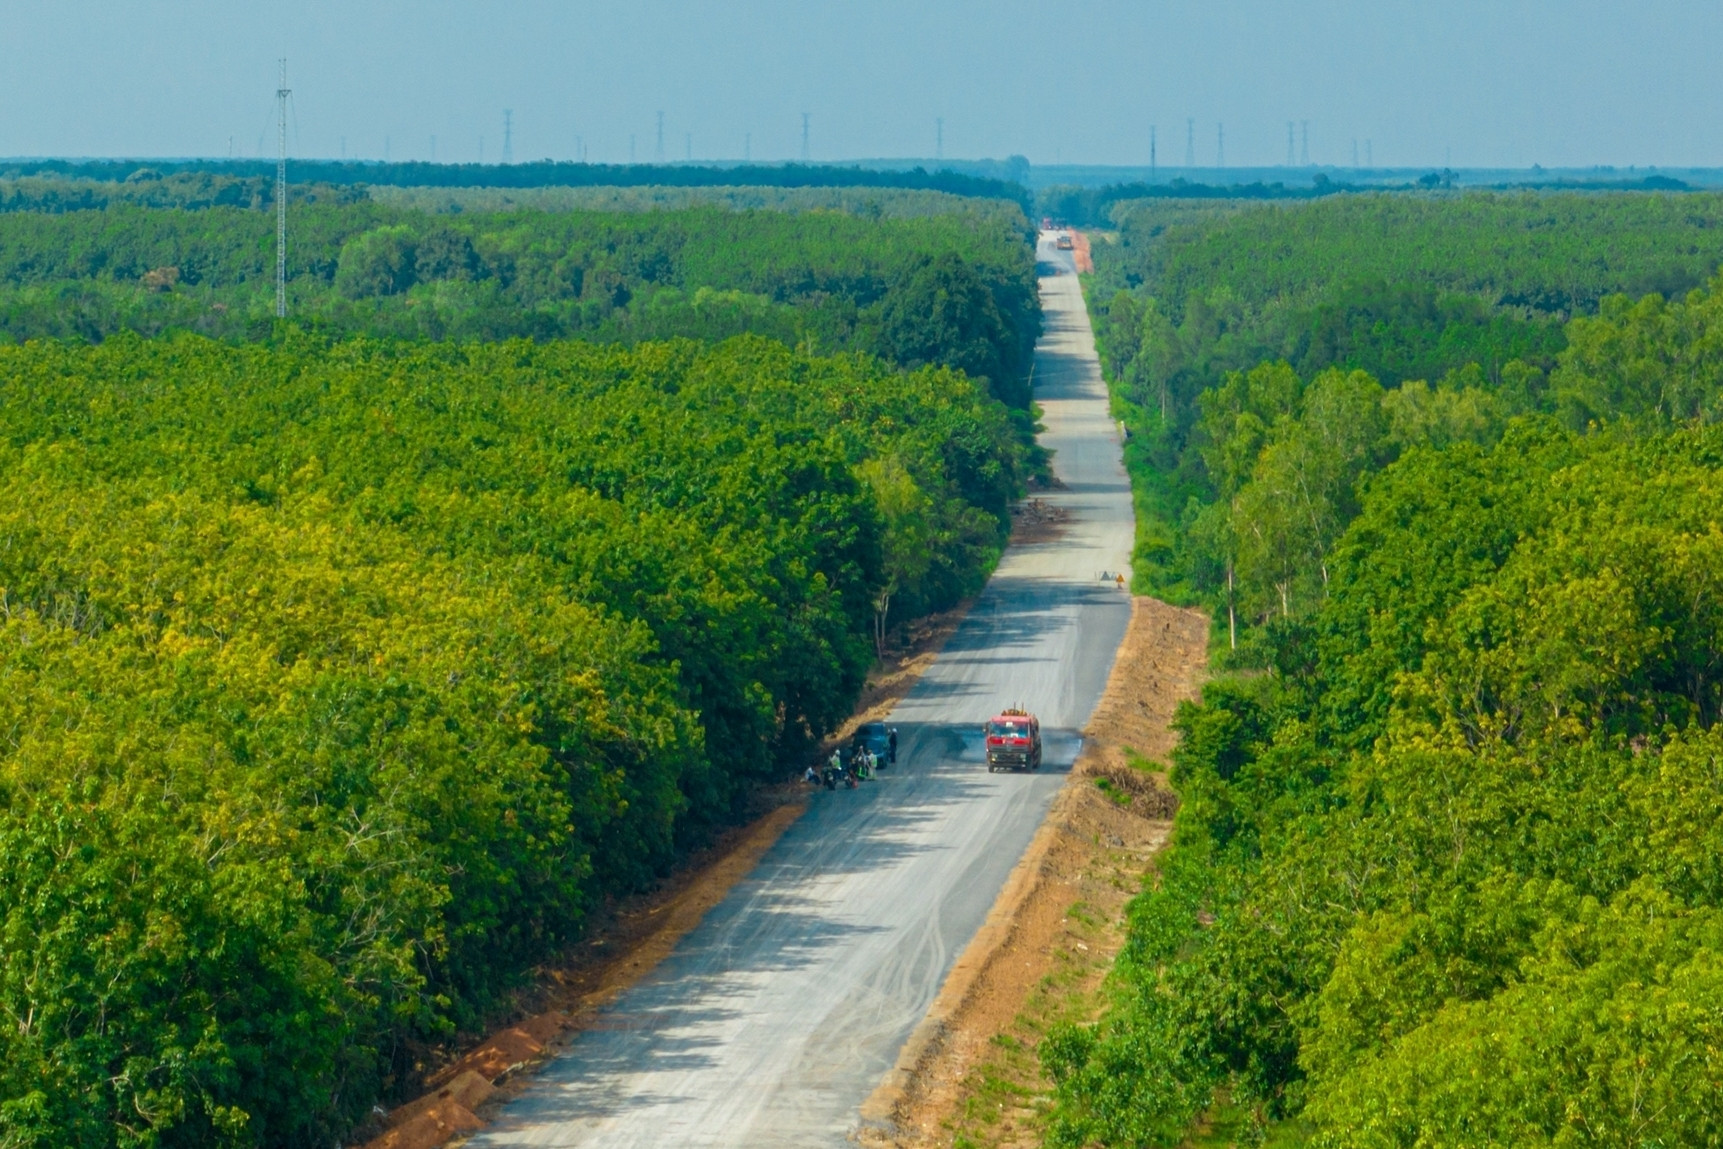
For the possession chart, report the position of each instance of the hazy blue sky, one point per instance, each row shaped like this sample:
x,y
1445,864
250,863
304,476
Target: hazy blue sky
x,y
1480,82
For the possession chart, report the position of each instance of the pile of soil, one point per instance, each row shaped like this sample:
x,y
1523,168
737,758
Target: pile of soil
x,y
1080,253
1037,521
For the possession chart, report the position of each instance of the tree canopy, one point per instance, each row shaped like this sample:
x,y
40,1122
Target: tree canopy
x,y
1441,870
824,279
342,679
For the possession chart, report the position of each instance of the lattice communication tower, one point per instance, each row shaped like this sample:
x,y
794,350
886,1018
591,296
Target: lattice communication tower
x,y
281,94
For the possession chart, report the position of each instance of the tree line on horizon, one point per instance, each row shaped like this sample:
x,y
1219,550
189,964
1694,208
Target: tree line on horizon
x,y
351,174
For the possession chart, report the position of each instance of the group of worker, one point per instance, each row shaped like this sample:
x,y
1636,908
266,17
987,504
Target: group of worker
x,y
860,766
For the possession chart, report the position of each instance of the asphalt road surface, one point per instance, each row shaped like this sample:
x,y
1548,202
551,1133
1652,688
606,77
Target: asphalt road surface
x,y
783,1010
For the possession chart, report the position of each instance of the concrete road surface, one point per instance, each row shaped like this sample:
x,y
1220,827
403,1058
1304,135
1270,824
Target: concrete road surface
x,y
783,1010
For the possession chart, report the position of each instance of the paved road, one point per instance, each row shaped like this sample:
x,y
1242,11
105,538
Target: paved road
x,y
783,1010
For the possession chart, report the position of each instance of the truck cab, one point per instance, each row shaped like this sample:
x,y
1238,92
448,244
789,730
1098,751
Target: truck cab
x,y
1013,741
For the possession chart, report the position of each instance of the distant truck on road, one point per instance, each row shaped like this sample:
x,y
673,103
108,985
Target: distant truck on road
x,y
1064,242
1013,741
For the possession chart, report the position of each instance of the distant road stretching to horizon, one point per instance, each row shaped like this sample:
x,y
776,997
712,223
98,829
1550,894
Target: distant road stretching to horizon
x,y
776,1017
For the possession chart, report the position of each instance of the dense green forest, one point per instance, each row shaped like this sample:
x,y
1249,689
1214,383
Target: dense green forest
x,y
341,679
954,289
351,660
1445,874
1469,298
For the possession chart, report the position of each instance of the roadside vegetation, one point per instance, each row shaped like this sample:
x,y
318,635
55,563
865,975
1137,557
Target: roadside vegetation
x,y
1444,868
349,663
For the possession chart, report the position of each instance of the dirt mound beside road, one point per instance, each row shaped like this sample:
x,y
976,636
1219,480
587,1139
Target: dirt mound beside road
x,y
1080,253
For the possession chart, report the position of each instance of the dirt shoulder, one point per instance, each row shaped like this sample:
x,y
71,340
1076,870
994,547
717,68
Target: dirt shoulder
x,y
1081,254
969,1075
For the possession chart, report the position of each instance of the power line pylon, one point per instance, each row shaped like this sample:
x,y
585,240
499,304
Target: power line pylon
x,y
281,94
508,136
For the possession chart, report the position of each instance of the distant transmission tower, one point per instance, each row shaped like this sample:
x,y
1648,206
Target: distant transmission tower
x,y
1304,147
1220,146
805,152
1191,143
1151,151
939,138
281,94
658,150
508,136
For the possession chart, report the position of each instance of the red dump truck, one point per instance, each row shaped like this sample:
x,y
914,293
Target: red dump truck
x,y
1013,741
